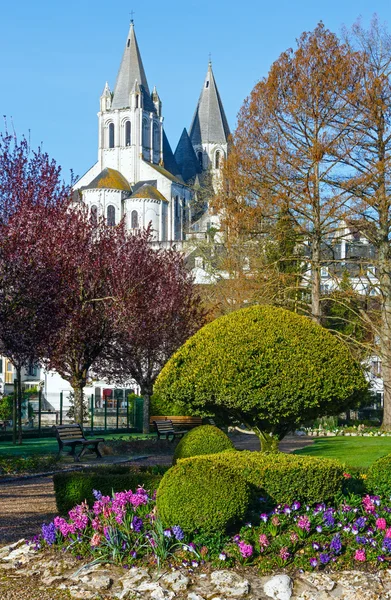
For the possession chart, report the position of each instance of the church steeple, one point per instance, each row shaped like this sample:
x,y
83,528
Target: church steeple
x,y
209,125
131,69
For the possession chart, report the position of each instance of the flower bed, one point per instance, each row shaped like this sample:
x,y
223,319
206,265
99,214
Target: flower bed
x,y
124,528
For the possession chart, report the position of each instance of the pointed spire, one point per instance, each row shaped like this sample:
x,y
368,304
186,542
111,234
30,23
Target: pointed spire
x,y
186,157
209,122
131,69
106,90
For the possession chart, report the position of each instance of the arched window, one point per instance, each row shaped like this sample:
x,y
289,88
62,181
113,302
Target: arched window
x,y
156,137
134,219
111,215
94,214
146,142
177,212
199,156
127,133
217,160
111,135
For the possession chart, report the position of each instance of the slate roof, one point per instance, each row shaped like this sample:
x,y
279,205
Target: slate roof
x,y
130,71
186,157
209,123
109,179
148,191
170,164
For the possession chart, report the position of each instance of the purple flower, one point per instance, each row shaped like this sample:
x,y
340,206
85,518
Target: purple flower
x,y
97,495
381,558
167,533
328,519
284,553
319,528
246,550
324,558
313,562
137,524
360,523
133,554
222,556
263,517
49,533
178,533
304,523
361,539
336,544
296,505
387,544
315,546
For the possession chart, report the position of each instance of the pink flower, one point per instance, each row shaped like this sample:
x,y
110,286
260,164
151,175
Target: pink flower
x,y
284,553
245,550
388,532
360,555
275,521
368,504
293,537
95,540
347,475
381,524
304,523
263,541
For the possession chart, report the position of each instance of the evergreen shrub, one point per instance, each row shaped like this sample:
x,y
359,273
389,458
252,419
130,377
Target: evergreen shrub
x,y
205,439
379,476
199,494
283,478
75,487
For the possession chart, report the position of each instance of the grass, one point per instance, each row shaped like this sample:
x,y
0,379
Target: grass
x,y
352,451
50,446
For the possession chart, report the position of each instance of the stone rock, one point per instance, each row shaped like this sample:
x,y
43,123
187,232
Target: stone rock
x,y
22,553
80,594
176,581
5,550
279,587
134,577
194,596
157,592
50,580
320,581
229,584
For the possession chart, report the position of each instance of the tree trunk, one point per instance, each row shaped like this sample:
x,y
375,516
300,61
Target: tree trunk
x,y
15,412
146,405
78,396
19,391
315,253
385,347
269,442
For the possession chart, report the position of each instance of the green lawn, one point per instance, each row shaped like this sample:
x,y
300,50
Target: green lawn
x,y
352,451
50,445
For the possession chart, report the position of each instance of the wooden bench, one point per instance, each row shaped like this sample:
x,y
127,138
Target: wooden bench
x,y
72,436
182,422
166,428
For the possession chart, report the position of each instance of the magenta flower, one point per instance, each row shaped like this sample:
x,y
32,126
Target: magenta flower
x,y
368,505
381,524
246,550
360,555
263,541
284,553
304,523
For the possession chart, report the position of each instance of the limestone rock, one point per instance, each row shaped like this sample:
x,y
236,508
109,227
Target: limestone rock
x,y
176,581
194,596
230,584
279,587
157,592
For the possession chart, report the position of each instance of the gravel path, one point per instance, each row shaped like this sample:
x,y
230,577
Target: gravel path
x,y
26,504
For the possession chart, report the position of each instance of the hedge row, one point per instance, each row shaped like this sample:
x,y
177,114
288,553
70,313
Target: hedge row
x,y
75,487
379,476
209,491
205,439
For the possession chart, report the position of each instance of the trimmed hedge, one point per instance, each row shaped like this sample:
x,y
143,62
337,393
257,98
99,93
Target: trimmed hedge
x,y
283,478
198,493
75,487
379,476
205,439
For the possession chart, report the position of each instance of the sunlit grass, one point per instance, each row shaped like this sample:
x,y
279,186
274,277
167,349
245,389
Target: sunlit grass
x,y
352,451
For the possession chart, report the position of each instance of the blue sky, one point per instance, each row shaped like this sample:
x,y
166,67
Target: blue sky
x,y
56,57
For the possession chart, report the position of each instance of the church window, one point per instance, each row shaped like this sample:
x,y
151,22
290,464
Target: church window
x,y
217,160
127,133
207,84
111,215
94,214
146,142
177,213
199,156
156,137
137,101
134,219
111,135
128,43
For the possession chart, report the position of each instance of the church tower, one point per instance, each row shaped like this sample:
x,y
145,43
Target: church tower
x,y
130,118
209,130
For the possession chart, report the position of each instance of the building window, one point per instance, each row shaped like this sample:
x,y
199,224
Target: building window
x,y
199,156
156,137
111,135
94,214
111,216
134,219
32,371
324,272
217,160
127,133
207,84
146,142
177,212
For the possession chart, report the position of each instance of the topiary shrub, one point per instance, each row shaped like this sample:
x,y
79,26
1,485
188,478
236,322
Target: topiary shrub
x,y
283,478
75,487
200,494
205,439
379,476
265,366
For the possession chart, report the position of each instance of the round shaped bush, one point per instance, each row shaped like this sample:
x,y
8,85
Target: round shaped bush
x,y
198,494
205,439
265,365
379,476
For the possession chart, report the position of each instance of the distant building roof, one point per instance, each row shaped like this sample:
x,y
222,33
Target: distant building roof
x,y
209,122
109,179
148,191
186,157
